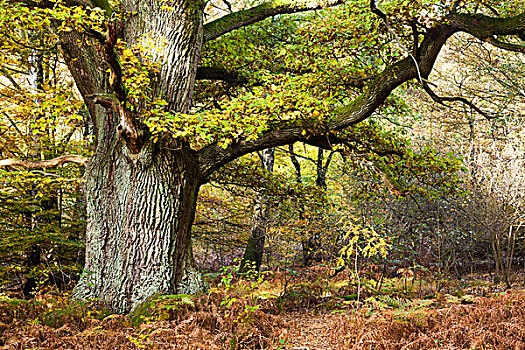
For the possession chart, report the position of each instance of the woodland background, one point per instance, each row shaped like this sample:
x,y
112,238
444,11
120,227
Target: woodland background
x,y
410,234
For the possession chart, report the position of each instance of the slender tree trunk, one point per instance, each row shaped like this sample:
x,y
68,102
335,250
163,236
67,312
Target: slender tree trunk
x,y
312,242
253,254
34,251
511,244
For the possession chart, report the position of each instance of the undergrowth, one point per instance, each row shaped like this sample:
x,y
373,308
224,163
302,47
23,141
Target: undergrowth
x,y
259,313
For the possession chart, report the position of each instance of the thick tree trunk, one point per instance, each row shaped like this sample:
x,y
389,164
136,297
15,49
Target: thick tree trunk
x,y
141,197
138,233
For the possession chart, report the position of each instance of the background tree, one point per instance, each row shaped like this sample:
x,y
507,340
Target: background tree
x,y
253,254
40,119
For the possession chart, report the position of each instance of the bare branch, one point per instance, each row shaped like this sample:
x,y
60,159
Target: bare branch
x,y
482,26
441,100
415,39
258,13
10,78
108,102
213,157
414,53
379,89
115,31
49,163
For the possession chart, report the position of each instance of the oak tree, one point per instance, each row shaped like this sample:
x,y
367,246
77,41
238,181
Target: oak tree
x,y
135,64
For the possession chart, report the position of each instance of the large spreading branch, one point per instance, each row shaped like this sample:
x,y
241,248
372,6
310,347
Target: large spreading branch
x,y
480,26
258,13
49,163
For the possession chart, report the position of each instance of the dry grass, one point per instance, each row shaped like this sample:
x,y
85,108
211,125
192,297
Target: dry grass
x,y
166,324
491,323
239,319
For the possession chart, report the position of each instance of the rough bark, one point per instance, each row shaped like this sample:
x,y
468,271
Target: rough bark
x,y
138,231
140,200
174,37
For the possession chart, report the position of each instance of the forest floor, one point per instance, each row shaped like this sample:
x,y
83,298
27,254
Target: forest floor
x,y
304,313
310,331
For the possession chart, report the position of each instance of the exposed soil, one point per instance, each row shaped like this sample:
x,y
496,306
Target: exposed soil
x,y
310,331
